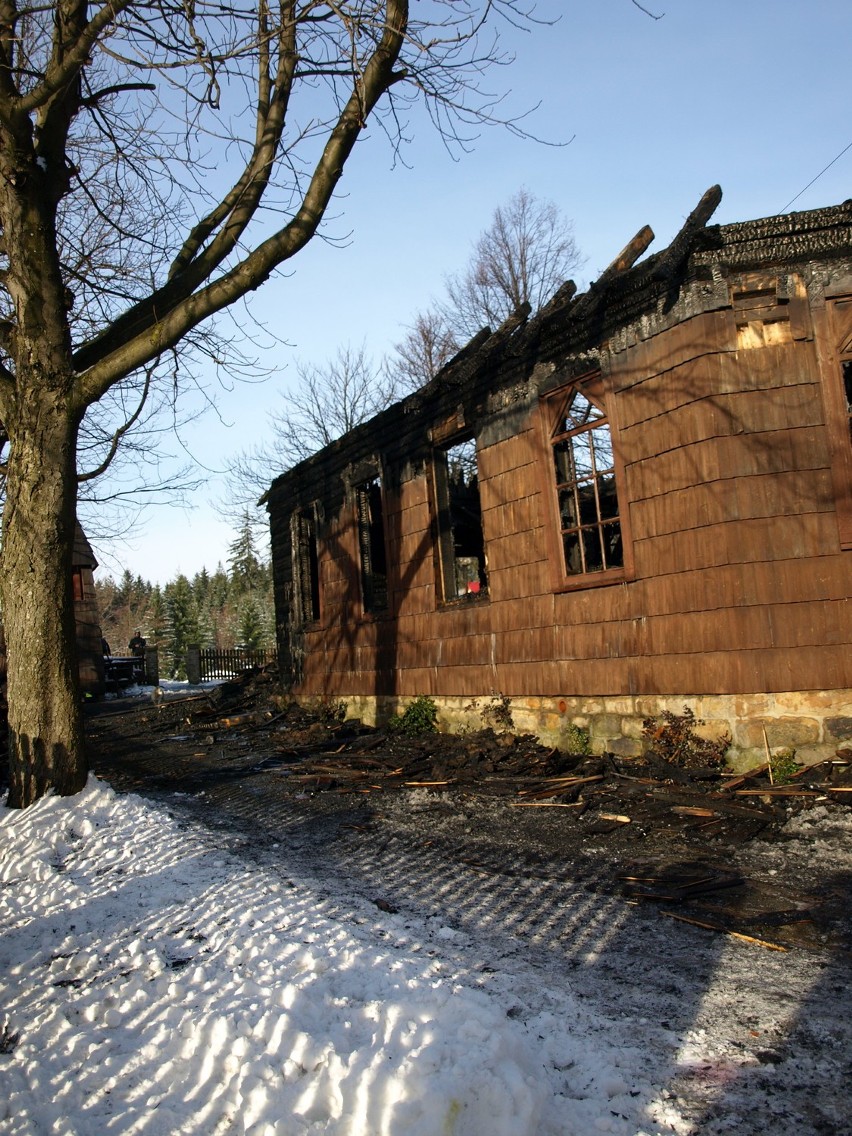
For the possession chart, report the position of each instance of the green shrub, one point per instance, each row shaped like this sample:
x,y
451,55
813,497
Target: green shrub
x,y
419,717
784,766
576,741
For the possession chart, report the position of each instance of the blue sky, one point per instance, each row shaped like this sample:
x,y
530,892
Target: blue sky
x,y
745,93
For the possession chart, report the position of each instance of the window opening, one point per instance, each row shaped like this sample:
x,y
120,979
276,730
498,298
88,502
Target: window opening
x,y
584,468
371,544
837,399
461,540
307,567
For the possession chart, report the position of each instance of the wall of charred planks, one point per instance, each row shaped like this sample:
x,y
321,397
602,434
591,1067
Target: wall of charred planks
x,y
724,391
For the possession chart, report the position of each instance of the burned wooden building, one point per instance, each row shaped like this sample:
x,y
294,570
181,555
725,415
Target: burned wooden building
x,y
635,499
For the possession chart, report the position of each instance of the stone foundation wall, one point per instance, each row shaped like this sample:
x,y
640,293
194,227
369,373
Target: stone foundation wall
x,y
813,723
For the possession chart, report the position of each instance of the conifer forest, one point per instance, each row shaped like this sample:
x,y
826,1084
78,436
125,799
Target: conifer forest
x,y
229,607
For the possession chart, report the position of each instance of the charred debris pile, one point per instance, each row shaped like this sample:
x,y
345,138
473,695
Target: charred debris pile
x,y
244,726
661,830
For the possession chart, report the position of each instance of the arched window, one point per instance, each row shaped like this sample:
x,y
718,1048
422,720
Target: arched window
x,y
586,491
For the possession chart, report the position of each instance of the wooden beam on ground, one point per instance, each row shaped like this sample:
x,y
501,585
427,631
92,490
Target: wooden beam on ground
x,y
744,777
724,930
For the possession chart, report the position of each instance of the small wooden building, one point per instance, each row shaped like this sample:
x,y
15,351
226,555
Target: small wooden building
x,y
89,638
638,498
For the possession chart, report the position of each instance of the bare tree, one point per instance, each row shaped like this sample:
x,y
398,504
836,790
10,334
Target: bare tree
x,y
326,402
429,342
121,122
523,256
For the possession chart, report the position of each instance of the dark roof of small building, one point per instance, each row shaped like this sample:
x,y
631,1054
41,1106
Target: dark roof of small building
x,y
82,555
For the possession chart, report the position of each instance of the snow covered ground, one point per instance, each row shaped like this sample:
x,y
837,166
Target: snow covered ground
x,y
153,982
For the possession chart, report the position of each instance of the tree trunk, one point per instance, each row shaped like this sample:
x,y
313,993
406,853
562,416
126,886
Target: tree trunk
x,y
46,748
41,417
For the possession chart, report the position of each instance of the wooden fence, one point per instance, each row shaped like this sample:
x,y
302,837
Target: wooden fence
x,y
215,662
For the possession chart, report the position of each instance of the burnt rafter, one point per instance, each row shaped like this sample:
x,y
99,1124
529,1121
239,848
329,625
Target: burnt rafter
x,y
596,295
572,311
466,353
569,330
576,313
476,355
481,347
484,352
561,298
680,248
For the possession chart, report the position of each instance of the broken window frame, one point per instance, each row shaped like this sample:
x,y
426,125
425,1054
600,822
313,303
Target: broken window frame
x,y
843,448
834,347
590,515
306,575
369,505
460,581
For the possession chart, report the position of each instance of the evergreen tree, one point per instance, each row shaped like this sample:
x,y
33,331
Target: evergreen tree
x,y
247,571
183,616
219,589
251,624
141,590
125,588
208,624
161,630
201,586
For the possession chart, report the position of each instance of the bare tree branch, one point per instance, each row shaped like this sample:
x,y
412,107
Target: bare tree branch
x,y
122,432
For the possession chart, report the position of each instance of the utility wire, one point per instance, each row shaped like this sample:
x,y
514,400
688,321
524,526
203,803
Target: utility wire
x,y
819,175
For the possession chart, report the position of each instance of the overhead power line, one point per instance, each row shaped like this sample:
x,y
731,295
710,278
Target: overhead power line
x,y
818,176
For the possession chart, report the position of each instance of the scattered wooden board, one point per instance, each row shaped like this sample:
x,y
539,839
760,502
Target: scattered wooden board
x,y
724,930
235,720
777,791
558,785
744,777
546,805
